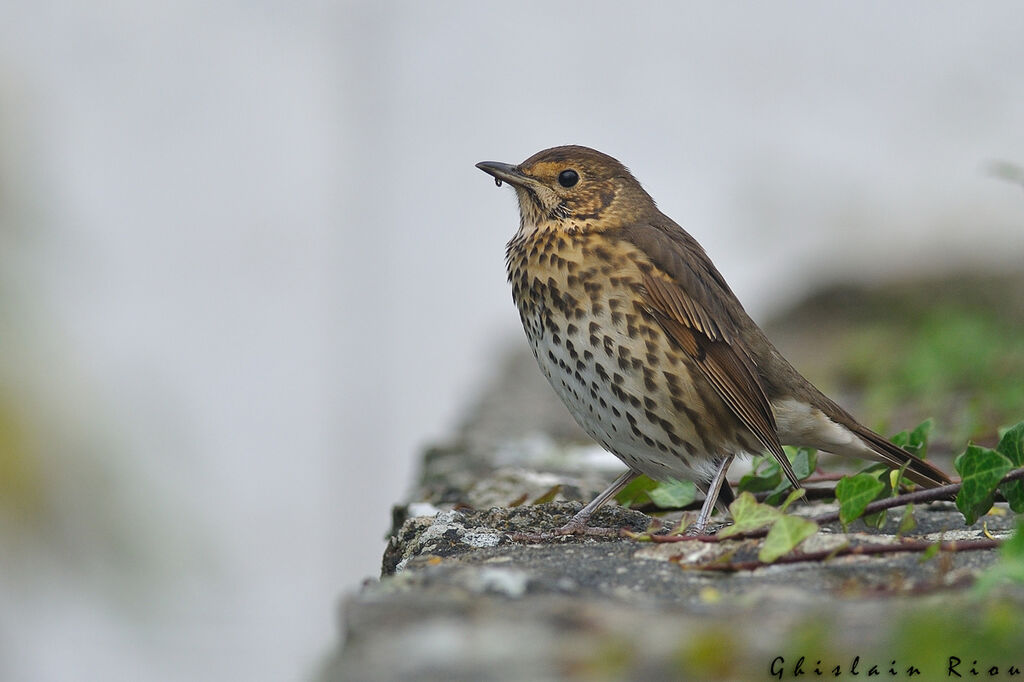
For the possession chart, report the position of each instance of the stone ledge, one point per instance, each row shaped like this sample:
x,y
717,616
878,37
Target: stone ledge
x,y
458,600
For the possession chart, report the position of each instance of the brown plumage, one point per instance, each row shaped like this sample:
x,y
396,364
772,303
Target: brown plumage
x,y
647,345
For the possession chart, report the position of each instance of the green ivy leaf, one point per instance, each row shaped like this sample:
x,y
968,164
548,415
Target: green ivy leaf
x,y
792,497
854,494
907,521
764,464
915,441
757,483
930,553
1009,568
776,496
673,494
878,470
1011,446
876,520
919,438
896,476
980,470
805,461
765,474
635,492
785,535
748,514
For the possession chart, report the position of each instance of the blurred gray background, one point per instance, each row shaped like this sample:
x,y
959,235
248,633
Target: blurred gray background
x,y
247,267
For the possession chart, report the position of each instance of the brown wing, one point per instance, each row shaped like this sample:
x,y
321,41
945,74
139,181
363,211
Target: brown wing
x,y
691,302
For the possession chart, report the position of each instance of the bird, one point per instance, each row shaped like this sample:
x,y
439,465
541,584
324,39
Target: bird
x,y
643,340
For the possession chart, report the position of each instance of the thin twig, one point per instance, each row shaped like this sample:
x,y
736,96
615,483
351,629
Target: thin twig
x,y
822,478
810,493
930,495
905,546
813,493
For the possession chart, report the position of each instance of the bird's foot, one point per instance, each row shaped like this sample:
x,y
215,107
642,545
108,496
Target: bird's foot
x,y
695,530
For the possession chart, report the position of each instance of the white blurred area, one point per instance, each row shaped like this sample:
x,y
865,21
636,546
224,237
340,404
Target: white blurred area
x,y
247,268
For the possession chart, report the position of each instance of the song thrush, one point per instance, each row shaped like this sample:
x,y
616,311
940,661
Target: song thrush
x,y
641,337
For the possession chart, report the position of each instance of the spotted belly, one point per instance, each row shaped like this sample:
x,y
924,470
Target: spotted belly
x,y
581,302
637,396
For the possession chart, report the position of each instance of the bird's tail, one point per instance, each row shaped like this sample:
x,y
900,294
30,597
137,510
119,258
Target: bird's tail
x,y
918,471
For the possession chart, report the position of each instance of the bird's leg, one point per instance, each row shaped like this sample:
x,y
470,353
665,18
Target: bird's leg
x,y
710,499
579,521
577,525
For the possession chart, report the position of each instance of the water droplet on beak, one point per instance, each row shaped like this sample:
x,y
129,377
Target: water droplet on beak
x,y
497,181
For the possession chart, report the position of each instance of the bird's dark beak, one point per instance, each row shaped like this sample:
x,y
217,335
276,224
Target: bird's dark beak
x,y
503,172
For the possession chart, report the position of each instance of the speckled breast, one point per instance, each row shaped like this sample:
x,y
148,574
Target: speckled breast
x,y
580,301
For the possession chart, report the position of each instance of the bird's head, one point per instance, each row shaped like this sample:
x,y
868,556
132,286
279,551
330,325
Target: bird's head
x,y
573,189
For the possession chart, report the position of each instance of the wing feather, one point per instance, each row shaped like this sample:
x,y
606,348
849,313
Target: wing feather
x,y
692,310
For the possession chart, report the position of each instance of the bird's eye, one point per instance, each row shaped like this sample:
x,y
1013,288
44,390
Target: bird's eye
x,y
568,178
